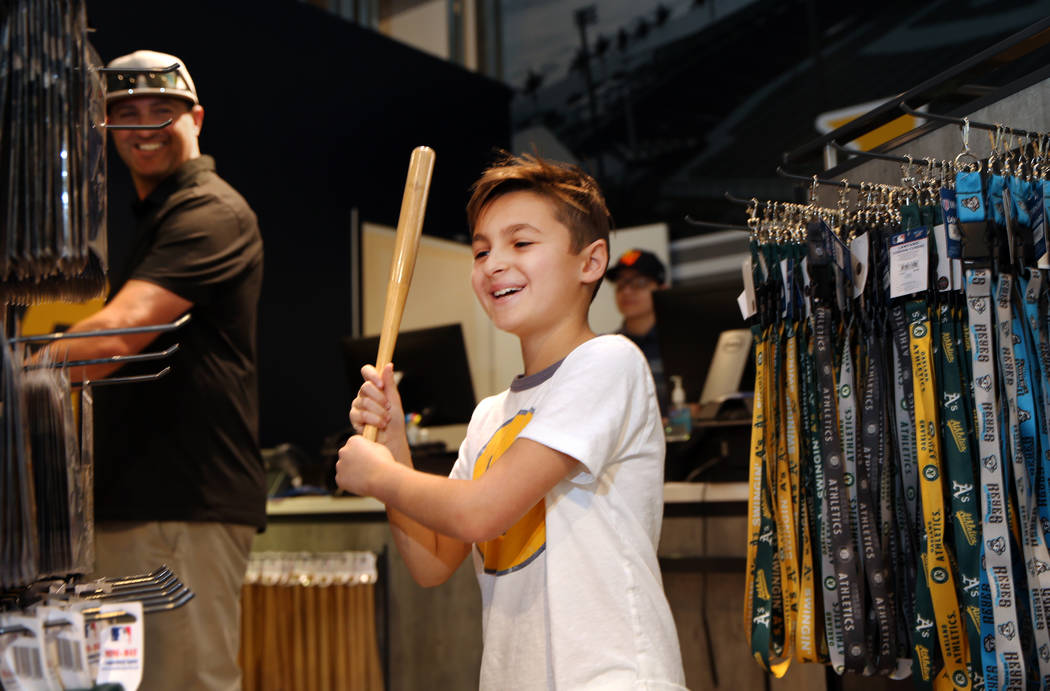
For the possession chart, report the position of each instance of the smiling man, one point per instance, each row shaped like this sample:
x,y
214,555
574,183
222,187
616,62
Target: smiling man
x,y
179,478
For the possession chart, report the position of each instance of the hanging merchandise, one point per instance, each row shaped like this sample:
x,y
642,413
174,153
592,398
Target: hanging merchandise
x,y
52,155
19,542
53,450
54,635
902,362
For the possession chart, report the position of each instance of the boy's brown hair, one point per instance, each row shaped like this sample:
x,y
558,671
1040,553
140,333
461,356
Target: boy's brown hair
x,y
577,199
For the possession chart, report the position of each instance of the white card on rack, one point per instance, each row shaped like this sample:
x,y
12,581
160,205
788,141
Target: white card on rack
x,y
121,649
23,665
859,251
909,262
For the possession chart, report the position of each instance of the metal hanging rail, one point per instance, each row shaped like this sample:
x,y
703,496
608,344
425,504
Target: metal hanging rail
x,y
61,335
1018,45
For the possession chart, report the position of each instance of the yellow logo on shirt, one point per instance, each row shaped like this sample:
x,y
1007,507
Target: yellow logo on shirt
x,y
526,538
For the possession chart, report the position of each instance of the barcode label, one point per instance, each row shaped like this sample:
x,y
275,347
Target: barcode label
x,y
69,656
27,663
909,262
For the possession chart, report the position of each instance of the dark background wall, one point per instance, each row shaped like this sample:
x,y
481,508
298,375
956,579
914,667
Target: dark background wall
x,y
308,117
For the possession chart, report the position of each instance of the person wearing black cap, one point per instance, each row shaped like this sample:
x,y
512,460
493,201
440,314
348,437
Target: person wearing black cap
x,y
636,275
179,478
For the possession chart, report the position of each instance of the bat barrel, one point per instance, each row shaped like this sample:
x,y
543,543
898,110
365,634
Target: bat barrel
x,y
406,246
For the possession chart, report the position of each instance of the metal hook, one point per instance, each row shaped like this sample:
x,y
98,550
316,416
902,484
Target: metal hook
x,y
138,127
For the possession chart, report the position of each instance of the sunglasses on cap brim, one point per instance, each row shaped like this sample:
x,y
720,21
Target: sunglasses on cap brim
x,y
120,81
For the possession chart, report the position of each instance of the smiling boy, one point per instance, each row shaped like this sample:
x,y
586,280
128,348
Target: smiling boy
x,y
558,489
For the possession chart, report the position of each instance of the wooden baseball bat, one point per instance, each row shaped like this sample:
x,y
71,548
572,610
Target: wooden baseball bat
x,y
406,245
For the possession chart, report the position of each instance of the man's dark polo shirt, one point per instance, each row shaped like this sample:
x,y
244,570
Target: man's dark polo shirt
x,y
185,447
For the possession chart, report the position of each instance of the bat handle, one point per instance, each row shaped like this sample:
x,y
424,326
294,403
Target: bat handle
x,y
406,245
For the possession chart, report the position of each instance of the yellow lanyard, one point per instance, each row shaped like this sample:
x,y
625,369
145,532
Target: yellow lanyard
x,y
759,597
936,567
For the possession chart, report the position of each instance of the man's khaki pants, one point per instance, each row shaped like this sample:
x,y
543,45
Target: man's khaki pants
x,y
196,645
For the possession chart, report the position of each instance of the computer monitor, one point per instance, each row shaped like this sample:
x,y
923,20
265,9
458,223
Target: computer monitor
x,y
689,322
435,380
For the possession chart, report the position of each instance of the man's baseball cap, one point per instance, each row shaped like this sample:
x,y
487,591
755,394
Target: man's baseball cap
x,y
141,80
643,261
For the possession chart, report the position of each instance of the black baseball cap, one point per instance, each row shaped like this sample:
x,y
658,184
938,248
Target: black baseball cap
x,y
643,261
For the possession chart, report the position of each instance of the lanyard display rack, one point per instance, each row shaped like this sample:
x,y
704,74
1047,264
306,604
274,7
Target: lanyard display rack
x,y
53,248
899,508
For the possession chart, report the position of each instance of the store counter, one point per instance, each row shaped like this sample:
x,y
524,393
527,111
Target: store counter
x,y
431,637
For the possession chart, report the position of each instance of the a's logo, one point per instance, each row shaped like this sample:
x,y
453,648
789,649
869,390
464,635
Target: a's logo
x,y
959,679
968,525
922,625
527,538
844,391
918,331
939,575
829,583
930,472
761,587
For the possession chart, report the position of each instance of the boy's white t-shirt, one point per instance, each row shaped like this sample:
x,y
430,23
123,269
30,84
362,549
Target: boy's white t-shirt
x,y
572,596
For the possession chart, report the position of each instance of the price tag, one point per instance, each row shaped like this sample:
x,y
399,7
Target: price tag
x,y
951,223
859,252
944,262
23,665
121,646
909,262
746,301
65,645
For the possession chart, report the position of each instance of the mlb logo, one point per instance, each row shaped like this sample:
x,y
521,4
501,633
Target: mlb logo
x,y
120,634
